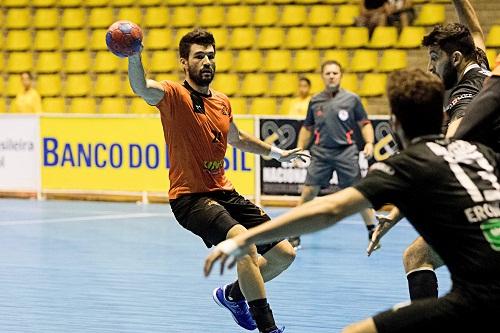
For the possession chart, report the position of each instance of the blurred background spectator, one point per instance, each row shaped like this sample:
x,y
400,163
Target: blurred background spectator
x,y
28,99
298,105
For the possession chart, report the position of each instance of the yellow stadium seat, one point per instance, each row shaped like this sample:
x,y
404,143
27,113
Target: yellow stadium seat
x,y
43,3
49,62
18,62
491,55
354,38
253,2
346,15
337,2
320,15
69,3
1,46
77,85
339,56
239,105
75,40
49,85
410,37
100,17
308,2
284,108
3,108
17,18
45,18
282,2
82,105
158,39
270,38
13,85
122,3
47,40
107,85
177,2
238,16
96,3
229,2
105,62
248,61
98,39
277,61
265,16
127,90
146,3
73,18
2,64
113,105
183,17
283,85
224,61
493,38
326,38
242,38
363,61
349,82
317,83
156,17
15,3
372,85
139,106
263,106
306,61
18,40
430,14
393,60
293,16
129,13
211,16
164,61
227,83
77,62
298,38
383,37
220,35
53,105
254,85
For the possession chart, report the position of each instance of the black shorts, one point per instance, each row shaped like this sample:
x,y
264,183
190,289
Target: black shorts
x,y
211,215
451,313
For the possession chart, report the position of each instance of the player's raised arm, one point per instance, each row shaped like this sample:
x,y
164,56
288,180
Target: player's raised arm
x,y
151,91
468,17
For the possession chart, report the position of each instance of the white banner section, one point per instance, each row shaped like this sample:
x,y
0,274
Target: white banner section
x,y
19,153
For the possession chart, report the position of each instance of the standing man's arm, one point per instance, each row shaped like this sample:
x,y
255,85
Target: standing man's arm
x,y
151,91
305,136
251,144
468,17
369,137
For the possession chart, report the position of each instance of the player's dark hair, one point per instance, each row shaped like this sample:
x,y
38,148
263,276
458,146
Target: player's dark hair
x,y
330,62
305,79
197,36
450,38
416,99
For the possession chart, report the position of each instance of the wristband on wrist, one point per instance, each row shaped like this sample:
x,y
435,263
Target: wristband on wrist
x,y
275,153
230,247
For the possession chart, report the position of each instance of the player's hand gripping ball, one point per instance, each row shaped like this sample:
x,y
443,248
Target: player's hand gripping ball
x,y
124,38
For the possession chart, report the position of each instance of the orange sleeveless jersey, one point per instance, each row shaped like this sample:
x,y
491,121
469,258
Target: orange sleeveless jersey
x,y
195,127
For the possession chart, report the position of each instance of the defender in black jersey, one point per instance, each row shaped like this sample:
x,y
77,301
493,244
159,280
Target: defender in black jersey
x,y
458,183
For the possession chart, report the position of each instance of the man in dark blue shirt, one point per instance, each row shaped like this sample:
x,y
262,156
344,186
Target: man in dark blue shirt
x,y
332,116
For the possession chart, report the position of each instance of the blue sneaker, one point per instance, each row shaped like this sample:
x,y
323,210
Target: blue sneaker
x,y
239,310
278,330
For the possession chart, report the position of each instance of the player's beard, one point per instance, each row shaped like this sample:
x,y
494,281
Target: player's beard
x,y
202,77
450,76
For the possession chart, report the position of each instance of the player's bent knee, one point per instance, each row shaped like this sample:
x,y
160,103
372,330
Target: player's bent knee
x,y
364,326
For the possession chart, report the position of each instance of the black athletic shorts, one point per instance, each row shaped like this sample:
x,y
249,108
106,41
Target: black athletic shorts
x,y
451,313
211,215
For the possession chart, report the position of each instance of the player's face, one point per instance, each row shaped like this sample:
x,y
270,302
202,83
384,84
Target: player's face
x,y
201,64
331,76
441,65
304,88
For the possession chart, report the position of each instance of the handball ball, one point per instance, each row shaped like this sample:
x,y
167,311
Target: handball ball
x,y
124,38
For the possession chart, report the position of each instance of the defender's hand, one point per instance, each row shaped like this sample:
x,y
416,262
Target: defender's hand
x,y
290,155
383,226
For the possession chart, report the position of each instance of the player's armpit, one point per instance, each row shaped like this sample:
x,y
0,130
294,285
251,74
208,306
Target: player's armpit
x,y
452,127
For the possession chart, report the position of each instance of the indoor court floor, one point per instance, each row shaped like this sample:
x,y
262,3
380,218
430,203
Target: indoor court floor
x,y
71,266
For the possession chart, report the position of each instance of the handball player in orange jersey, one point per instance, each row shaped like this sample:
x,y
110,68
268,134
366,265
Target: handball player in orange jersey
x,y
198,124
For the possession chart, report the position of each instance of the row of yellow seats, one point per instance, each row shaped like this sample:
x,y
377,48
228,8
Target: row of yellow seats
x,y
282,85
245,61
210,16
146,3
240,38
